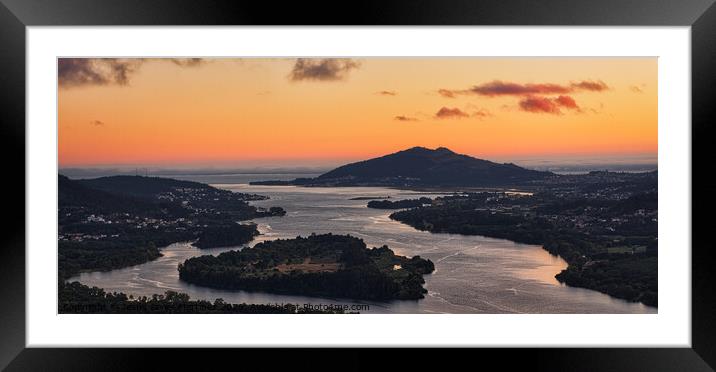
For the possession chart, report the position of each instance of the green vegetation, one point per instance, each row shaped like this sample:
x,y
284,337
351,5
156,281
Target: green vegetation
x,y
113,222
626,276
229,235
319,265
76,298
609,242
100,255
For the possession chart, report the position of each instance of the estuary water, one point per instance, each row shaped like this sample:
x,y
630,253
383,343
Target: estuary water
x,y
473,274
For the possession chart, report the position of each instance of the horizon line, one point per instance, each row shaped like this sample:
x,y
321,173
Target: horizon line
x,y
311,164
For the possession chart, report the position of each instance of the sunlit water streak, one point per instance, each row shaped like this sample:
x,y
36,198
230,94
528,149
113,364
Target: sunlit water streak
x,y
473,274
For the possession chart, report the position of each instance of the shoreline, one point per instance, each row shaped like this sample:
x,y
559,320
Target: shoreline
x,y
341,299
442,191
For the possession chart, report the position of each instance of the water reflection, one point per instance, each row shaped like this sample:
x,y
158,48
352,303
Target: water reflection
x,y
473,274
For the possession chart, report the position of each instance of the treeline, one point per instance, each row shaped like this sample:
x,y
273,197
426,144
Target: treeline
x,y
104,254
226,235
629,276
76,298
140,245
456,219
370,198
351,269
399,204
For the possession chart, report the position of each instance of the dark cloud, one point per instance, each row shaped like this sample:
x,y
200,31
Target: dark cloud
x,y
533,97
387,93
95,71
74,72
322,69
539,105
405,118
548,105
451,113
567,102
594,86
97,123
501,88
498,88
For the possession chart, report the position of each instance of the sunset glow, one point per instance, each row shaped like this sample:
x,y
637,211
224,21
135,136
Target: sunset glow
x,y
240,112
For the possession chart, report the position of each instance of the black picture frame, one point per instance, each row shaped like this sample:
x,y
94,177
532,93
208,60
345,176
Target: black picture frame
x,y
16,15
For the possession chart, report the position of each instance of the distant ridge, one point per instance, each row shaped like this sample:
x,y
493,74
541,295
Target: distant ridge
x,y
139,186
421,167
83,193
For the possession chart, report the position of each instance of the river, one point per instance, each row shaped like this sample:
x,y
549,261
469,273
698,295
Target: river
x,y
473,274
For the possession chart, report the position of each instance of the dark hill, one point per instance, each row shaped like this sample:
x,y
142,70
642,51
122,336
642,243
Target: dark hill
x,y
73,193
140,186
422,167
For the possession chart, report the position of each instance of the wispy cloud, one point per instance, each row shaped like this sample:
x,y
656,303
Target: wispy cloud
x,y
76,72
501,88
481,114
446,93
451,113
322,69
590,85
637,88
535,98
187,62
387,93
405,118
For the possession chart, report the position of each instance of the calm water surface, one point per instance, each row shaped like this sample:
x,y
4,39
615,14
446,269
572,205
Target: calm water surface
x,y
473,274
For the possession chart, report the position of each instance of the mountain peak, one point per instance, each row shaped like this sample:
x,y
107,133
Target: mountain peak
x,y
444,150
422,149
422,167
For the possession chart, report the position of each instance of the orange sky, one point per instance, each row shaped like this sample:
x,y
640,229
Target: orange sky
x,y
258,112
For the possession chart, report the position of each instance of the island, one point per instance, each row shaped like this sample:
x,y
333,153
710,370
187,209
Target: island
x,y
334,266
420,167
399,204
113,222
604,224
